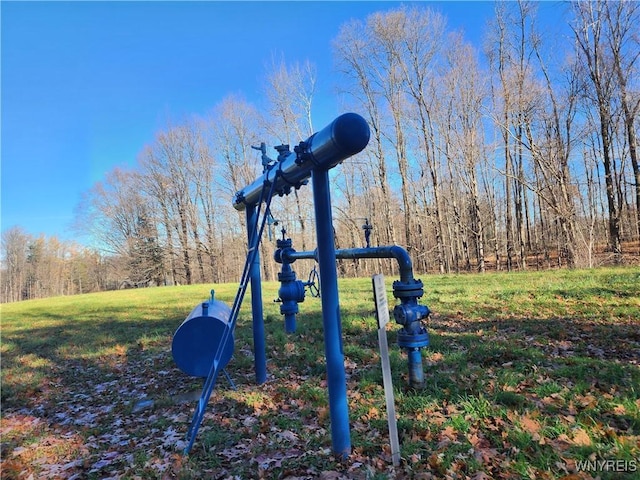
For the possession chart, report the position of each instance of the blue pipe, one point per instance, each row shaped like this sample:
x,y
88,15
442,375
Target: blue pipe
x,y
336,376
393,251
259,347
414,361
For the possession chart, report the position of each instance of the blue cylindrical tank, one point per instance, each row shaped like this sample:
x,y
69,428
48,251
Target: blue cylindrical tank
x,y
345,136
198,338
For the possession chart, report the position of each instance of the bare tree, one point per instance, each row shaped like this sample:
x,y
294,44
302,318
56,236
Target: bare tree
x,y
589,31
289,92
422,46
622,33
235,127
206,201
498,58
155,183
14,263
467,92
552,152
170,148
121,219
510,56
352,48
387,31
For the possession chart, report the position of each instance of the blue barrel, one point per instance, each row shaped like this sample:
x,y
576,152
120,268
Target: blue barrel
x,y
198,338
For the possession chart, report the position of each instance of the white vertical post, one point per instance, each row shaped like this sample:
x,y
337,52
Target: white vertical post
x,y
382,309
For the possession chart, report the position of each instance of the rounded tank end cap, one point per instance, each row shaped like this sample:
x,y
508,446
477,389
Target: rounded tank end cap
x,y
351,132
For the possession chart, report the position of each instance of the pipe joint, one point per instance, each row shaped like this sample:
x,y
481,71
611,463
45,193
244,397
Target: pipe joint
x,y
408,290
410,312
291,290
413,336
286,277
407,339
289,307
283,254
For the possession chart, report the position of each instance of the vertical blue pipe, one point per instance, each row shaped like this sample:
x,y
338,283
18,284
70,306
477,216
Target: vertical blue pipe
x,y
259,349
290,323
336,377
416,371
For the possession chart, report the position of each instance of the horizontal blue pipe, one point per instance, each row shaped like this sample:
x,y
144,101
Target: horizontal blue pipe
x,y
393,251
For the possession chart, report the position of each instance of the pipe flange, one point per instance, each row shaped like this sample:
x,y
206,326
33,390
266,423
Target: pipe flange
x,y
239,197
408,290
286,277
284,243
413,340
290,183
289,307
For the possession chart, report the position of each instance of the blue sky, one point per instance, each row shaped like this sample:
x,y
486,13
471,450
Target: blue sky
x,y
85,85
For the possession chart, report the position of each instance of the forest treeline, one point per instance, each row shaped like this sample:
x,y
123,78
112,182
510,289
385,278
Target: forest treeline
x,y
518,153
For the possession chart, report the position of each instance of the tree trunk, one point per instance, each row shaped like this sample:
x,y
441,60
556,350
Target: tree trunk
x,y
610,188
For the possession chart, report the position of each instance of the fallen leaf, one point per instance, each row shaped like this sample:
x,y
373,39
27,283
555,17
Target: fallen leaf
x,y
581,437
587,401
619,410
561,443
437,418
288,435
323,414
481,476
249,421
449,432
531,426
330,475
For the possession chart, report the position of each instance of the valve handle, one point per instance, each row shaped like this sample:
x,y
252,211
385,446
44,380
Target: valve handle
x,y
313,284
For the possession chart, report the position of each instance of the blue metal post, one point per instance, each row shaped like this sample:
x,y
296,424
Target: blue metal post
x,y
336,376
259,349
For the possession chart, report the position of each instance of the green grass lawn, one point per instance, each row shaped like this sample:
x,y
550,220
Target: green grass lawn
x,y
529,375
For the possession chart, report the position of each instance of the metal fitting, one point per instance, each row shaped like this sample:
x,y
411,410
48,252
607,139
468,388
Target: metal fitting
x,y
410,312
291,290
410,289
290,293
413,340
413,336
283,252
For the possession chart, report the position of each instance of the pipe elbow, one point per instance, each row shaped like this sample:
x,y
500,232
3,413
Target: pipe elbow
x,y
404,263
